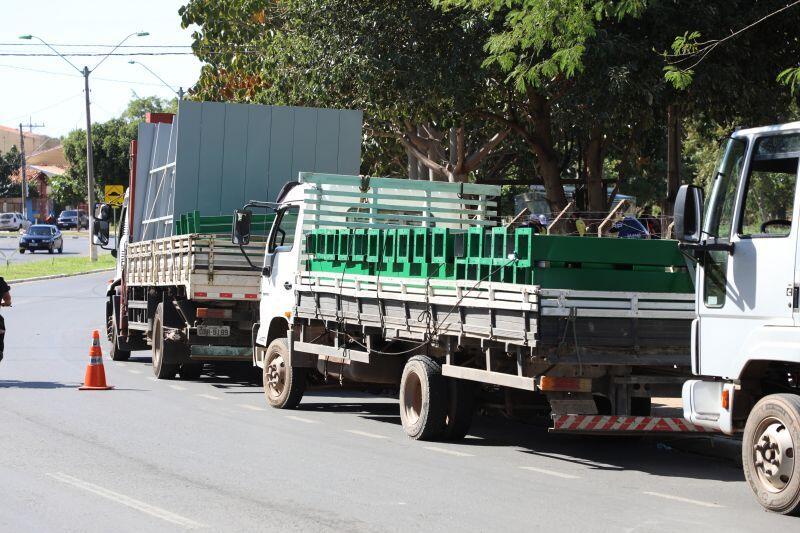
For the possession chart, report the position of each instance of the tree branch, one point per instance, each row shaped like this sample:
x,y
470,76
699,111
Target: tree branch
x,y
476,158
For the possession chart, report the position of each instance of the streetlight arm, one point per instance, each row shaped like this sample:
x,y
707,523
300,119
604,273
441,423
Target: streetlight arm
x,y
136,33
167,85
53,49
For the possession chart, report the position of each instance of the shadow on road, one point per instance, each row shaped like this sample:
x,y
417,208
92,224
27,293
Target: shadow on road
x,y
16,384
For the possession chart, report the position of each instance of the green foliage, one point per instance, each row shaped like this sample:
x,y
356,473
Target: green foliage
x,y
791,78
9,163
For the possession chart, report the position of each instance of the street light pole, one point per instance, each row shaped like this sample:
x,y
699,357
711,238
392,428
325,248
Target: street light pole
x,y
89,168
89,152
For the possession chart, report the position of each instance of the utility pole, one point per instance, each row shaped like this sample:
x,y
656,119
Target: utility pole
x,y
23,165
89,167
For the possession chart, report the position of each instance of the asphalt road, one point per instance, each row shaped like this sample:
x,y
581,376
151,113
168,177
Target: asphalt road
x,y
209,455
74,246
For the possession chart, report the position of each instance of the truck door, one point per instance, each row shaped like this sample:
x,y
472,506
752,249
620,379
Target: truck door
x,y
280,266
743,291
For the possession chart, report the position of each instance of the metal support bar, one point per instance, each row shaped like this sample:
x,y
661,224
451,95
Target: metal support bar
x,y
483,376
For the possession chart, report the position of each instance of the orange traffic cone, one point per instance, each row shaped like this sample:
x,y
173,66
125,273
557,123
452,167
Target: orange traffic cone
x,y
95,378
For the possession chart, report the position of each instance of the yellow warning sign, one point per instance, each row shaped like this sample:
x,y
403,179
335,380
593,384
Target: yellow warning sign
x,y
115,194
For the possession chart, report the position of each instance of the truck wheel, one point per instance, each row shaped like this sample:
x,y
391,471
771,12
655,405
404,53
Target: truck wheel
x,y
191,370
113,333
164,365
460,406
423,398
284,384
770,447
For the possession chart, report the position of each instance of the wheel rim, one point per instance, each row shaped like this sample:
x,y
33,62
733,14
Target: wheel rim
x,y
412,398
773,454
276,377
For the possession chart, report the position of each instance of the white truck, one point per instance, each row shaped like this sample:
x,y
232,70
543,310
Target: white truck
x,y
746,336
591,359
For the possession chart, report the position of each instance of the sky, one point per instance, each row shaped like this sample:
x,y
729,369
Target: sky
x,y
47,90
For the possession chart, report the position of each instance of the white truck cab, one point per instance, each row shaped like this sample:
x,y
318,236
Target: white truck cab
x,y
746,336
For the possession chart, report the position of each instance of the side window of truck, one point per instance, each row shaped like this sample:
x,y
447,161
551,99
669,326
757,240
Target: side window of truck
x,y
282,238
719,218
769,191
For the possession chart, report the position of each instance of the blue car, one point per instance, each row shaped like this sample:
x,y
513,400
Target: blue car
x,y
41,237
630,228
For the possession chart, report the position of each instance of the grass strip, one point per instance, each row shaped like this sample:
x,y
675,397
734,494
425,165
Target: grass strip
x,y
56,265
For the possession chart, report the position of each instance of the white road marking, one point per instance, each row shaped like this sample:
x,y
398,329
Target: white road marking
x,y
448,452
177,387
209,397
685,500
251,407
133,371
366,434
301,419
152,510
549,472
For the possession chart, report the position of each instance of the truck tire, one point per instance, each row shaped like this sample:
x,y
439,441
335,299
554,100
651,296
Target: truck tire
x,y
284,385
460,407
423,399
113,332
165,364
191,370
770,449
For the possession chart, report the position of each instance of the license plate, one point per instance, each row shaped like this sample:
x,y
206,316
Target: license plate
x,y
214,331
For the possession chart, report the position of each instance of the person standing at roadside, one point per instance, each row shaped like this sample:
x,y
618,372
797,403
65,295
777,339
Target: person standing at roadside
x,y
5,301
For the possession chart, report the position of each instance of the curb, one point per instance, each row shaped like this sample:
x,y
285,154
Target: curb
x,y
56,276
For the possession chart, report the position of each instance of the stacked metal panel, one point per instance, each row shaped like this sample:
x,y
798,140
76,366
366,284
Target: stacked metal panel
x,y
215,157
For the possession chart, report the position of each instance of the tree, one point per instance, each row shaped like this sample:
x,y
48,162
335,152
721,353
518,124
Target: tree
x,y
9,163
414,70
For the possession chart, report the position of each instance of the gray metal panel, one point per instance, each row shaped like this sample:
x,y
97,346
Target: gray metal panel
x,y
187,160
257,165
327,153
280,149
304,146
234,156
212,136
349,142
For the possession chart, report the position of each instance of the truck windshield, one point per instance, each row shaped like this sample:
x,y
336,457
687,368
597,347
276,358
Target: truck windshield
x,y
719,216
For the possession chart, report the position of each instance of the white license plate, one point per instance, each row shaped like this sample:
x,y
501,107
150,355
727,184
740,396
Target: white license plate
x,y
214,331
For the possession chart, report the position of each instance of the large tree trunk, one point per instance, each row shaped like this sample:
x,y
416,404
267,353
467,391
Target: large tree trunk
x,y
596,193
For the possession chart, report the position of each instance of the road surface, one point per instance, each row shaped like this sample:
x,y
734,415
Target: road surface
x,y
208,455
74,246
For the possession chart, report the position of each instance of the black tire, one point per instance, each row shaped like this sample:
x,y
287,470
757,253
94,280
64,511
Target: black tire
x,y
460,407
284,385
165,364
776,417
22,250
191,370
50,250
113,333
61,248
423,398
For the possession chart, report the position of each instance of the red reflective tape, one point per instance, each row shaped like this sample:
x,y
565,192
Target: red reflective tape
x,y
249,296
226,295
200,294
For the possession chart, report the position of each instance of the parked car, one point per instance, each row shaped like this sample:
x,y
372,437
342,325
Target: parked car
x,y
630,228
41,237
73,218
25,222
11,221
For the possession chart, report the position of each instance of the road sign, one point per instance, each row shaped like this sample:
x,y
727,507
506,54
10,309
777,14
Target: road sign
x,y
115,194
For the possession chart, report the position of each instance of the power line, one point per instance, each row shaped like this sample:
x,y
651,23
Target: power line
x,y
129,82
94,54
103,45
65,100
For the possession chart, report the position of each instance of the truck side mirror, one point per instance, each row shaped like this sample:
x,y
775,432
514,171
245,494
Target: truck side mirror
x,y
102,212
241,226
100,231
688,213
